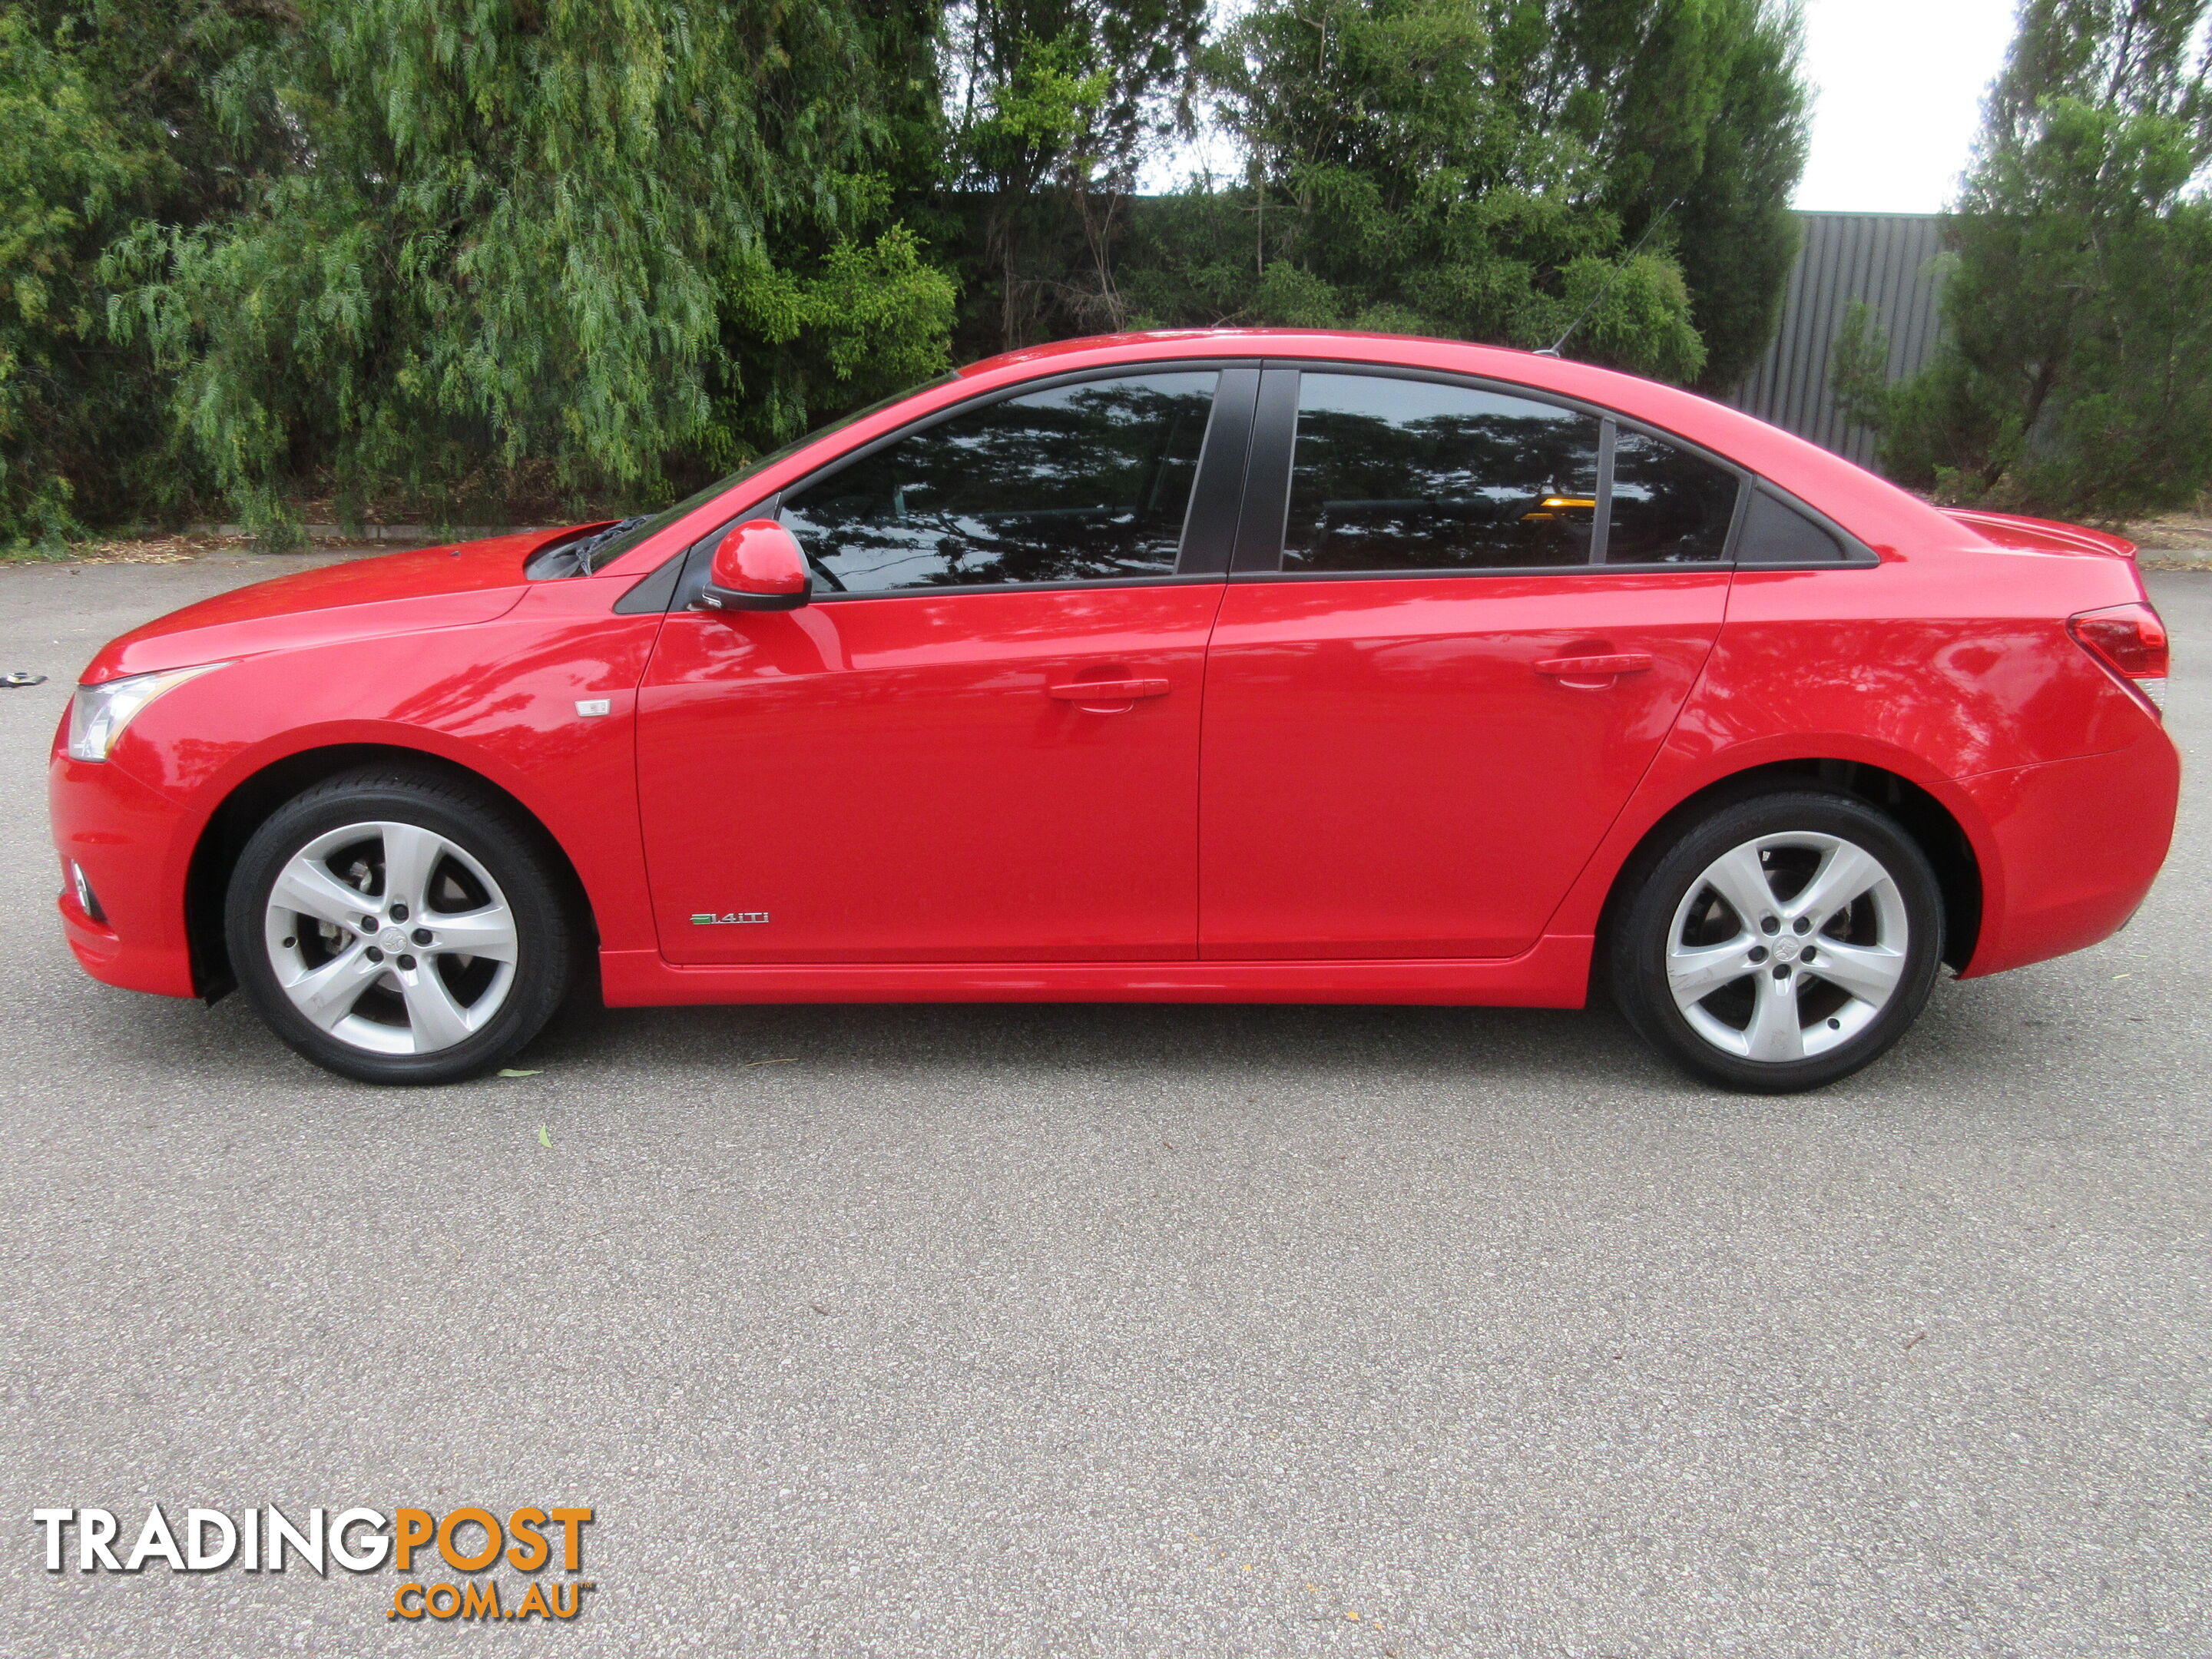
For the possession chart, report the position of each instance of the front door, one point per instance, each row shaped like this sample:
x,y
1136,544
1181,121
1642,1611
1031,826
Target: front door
x,y
1487,611
912,769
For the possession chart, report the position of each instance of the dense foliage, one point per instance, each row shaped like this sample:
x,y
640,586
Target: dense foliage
x,y
107,129
1055,105
596,239
1493,170
2078,308
474,259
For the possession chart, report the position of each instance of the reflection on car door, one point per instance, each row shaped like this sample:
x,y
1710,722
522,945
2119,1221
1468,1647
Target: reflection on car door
x,y
1443,665
911,767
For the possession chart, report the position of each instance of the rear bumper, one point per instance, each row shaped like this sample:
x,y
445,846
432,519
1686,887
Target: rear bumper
x,y
2077,845
127,839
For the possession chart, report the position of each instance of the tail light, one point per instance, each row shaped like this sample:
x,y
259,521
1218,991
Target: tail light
x,y
2130,641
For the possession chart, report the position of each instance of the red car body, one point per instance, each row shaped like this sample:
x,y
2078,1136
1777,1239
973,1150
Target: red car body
x,y
1324,790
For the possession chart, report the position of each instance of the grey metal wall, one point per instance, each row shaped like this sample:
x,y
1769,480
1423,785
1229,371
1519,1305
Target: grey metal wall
x,y
1887,259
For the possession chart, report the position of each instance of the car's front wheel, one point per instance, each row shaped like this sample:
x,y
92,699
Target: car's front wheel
x,y
398,928
1780,943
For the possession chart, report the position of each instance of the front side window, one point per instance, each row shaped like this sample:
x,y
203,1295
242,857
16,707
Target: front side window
x,y
1669,505
1088,481
1415,475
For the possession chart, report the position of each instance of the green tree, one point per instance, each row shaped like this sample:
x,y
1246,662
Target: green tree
x,y
2072,375
1496,169
105,117
548,250
1055,106
70,173
1693,110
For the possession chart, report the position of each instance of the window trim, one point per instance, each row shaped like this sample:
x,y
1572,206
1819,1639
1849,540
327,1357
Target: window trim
x,y
1260,528
1608,436
1216,512
1274,451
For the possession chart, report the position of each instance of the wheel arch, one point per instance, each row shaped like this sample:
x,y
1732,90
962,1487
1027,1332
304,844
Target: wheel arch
x,y
254,797
1933,827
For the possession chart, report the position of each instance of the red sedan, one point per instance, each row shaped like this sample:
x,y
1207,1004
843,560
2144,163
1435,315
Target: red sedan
x,y
1216,666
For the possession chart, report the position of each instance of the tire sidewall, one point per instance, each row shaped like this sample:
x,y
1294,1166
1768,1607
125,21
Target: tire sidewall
x,y
1636,957
543,950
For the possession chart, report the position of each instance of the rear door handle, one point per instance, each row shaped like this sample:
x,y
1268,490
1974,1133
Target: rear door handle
x,y
1590,668
1109,690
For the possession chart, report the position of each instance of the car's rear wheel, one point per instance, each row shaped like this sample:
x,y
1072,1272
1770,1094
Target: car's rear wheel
x,y
1780,943
398,928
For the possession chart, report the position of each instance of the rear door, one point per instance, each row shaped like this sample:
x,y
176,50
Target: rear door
x,y
1463,618
912,766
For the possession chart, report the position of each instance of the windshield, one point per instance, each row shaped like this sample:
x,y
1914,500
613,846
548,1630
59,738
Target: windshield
x,y
631,531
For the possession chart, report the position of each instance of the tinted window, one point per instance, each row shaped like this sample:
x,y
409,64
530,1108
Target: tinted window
x,y
1072,483
1668,507
1775,532
1411,475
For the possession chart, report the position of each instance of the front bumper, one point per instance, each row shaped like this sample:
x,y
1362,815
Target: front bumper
x,y
133,847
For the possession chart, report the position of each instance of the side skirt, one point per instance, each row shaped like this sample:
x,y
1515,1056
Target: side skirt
x,y
1554,973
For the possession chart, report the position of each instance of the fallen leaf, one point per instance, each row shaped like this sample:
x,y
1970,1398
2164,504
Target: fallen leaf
x,y
543,1138
509,1070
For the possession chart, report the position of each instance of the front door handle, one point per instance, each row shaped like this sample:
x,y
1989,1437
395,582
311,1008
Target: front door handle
x,y
1593,668
1109,690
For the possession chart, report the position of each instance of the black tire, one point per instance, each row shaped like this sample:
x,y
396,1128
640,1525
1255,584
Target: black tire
x,y
1668,889
477,830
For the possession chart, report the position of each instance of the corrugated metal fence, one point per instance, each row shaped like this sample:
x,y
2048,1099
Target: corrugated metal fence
x,y
1887,259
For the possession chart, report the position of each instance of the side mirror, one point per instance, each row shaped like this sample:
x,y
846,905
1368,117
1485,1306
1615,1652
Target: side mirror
x,y
757,567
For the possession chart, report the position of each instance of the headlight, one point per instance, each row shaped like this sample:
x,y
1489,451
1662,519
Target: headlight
x,y
98,714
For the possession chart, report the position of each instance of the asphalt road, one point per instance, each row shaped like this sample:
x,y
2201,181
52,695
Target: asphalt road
x,y
1126,1331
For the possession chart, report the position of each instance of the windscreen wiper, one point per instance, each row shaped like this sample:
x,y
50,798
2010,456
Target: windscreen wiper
x,y
583,551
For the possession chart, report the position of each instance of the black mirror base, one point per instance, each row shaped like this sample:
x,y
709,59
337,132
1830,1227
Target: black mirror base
x,y
729,598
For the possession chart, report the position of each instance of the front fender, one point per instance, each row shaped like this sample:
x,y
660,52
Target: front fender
x,y
499,699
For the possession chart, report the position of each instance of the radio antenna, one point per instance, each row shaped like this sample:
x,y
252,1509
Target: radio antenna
x,y
1552,349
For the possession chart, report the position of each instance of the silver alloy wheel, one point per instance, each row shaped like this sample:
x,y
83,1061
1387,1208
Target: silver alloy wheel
x,y
1787,946
391,938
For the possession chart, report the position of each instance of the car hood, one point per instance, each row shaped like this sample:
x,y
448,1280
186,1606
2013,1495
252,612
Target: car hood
x,y
2041,535
431,587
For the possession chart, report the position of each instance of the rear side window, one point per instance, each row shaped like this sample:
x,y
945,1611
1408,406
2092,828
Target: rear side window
x,y
1775,532
1669,507
1082,482
1414,475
